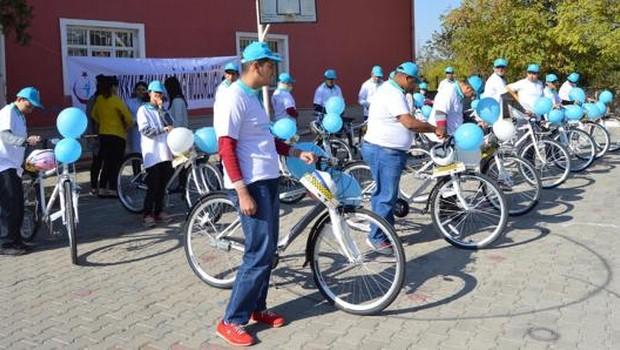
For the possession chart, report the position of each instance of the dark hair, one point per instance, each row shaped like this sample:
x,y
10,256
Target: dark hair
x,y
140,83
105,87
173,87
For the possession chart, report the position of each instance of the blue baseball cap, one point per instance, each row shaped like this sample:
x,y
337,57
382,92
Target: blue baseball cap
x,y
573,77
377,71
500,62
408,68
551,78
32,95
533,68
286,78
449,70
423,86
258,51
330,74
231,67
157,86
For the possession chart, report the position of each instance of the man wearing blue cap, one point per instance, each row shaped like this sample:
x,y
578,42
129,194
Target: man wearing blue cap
x,y
369,87
551,90
231,74
327,89
449,81
13,139
448,105
249,153
282,100
495,85
529,89
389,137
569,84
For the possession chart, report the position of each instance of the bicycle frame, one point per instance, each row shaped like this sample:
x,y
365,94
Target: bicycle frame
x,y
64,175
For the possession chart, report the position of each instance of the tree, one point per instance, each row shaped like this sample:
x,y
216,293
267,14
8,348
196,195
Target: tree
x,y
15,18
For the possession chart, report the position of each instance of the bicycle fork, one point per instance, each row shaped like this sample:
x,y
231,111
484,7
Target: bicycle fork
x,y
343,236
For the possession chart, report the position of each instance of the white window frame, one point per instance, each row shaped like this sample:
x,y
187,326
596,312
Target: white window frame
x,y
65,22
283,66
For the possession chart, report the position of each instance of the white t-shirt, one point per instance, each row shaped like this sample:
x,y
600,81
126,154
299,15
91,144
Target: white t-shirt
x,y
528,92
384,128
11,156
450,103
565,90
281,101
240,115
494,87
367,91
553,95
323,93
225,84
445,83
154,148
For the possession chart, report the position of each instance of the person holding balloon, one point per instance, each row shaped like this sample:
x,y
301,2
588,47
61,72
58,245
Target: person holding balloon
x,y
369,87
495,85
551,90
323,92
529,89
565,89
249,153
13,139
389,137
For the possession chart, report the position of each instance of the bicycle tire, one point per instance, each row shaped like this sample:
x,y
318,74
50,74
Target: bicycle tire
x,y
131,187
418,162
362,173
287,184
338,149
612,125
560,158
210,180
444,201
581,148
70,224
333,283
600,136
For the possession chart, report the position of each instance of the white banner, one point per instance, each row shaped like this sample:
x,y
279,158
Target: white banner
x,y
199,77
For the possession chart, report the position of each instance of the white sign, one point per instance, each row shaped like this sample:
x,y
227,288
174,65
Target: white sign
x,y
199,77
287,11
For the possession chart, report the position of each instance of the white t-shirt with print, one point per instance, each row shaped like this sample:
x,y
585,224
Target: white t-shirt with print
x,y
154,149
240,115
450,103
384,128
11,156
528,92
281,101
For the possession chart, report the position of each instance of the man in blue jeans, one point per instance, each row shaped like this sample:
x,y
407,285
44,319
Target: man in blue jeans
x,y
390,134
250,157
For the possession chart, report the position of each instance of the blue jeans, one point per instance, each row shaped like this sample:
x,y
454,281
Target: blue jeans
x,y
249,292
386,165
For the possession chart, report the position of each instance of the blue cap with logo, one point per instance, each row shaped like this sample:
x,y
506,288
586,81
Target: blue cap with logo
x,y
330,74
377,71
286,78
449,70
500,62
231,67
533,68
551,78
573,77
32,95
157,86
257,51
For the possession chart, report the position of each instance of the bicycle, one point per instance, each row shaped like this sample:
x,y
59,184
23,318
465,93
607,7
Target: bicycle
x,y
202,177
578,143
611,123
348,273
334,146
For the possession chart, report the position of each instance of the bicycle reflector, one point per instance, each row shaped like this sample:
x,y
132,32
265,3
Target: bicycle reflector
x,y
321,186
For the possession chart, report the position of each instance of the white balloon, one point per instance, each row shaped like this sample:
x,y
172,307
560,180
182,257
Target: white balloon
x,y
180,140
503,129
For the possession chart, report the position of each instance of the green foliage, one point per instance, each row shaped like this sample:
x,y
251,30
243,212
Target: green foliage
x,y
563,36
15,18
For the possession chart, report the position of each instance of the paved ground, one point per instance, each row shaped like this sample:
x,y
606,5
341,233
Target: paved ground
x,y
549,284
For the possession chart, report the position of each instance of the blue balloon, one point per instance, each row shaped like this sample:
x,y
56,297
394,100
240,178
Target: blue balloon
x,y
606,97
71,122
488,110
335,105
573,112
426,111
206,140
603,107
68,151
284,128
297,167
577,94
542,106
474,104
332,123
348,189
592,111
418,98
468,137
556,116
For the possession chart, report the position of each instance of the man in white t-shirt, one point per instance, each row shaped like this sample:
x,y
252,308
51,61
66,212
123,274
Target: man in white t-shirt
x,y
495,85
569,84
282,100
231,74
249,154
448,105
13,141
369,87
389,136
528,89
449,81
323,92
551,90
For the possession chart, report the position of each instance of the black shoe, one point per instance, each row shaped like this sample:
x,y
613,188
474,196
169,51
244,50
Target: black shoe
x,y
14,249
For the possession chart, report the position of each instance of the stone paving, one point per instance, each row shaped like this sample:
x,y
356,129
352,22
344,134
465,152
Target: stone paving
x,y
549,284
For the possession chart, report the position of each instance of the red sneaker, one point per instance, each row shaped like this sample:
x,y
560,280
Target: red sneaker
x,y
268,317
234,334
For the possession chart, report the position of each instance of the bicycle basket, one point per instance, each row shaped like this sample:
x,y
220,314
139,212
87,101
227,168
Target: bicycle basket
x,y
40,160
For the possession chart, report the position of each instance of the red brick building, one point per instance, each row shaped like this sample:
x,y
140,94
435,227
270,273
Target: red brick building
x,y
349,36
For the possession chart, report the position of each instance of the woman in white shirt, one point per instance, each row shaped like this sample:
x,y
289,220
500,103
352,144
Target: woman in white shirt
x,y
178,104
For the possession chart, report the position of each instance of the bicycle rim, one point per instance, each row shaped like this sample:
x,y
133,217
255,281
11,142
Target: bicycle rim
x,y
340,150
552,164
519,182
208,180
580,147
370,282
612,125
415,175
600,136
131,183
362,173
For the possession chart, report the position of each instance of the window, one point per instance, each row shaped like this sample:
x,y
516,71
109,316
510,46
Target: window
x,y
277,43
100,39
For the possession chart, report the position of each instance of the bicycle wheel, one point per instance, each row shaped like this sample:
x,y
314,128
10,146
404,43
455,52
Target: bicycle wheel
x,y
361,172
32,210
469,210
600,136
580,147
518,180
366,283
208,179
291,190
612,125
414,182
70,223
339,149
552,163
131,187
214,240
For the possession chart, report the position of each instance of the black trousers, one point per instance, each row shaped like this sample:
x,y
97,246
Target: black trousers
x,y
95,171
11,205
111,152
157,177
